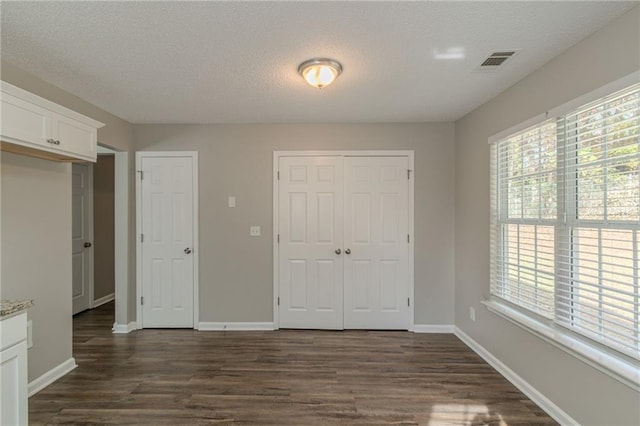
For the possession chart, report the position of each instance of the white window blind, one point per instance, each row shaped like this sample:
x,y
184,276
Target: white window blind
x,y
565,220
525,219
598,256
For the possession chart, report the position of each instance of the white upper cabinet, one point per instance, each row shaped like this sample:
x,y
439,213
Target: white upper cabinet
x,y
24,121
76,138
37,127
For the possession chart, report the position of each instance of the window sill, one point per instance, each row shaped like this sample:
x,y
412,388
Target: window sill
x,y
616,366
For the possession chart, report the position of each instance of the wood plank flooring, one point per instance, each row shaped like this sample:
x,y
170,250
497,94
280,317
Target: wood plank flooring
x,y
300,377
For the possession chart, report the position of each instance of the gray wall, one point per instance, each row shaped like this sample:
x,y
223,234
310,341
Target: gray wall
x,y
587,395
116,134
36,190
36,252
237,160
103,227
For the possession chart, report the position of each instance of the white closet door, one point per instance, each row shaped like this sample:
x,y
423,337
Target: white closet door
x,y
376,289
167,226
310,215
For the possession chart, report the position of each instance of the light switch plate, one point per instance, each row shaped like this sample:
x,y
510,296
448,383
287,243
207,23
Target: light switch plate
x,y
232,201
254,231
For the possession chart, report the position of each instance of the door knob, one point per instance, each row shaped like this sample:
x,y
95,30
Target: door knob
x,y
87,244
187,250
347,251
338,251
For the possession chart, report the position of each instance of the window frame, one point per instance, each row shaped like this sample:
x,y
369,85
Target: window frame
x,y
612,362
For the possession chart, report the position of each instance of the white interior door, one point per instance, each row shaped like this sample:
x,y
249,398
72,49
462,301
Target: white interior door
x,y
81,237
376,229
167,241
311,242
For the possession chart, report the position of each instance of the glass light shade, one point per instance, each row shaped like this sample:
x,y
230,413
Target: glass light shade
x,y
320,72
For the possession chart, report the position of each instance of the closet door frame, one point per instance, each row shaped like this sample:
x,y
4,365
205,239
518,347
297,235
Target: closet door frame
x,y
276,216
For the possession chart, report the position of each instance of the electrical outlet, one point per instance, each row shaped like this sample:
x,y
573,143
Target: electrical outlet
x,y
232,201
254,231
472,313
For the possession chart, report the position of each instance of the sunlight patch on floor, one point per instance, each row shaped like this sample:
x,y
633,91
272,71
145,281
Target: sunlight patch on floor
x,y
467,414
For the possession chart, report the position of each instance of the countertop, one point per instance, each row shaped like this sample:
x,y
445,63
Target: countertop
x,y
10,307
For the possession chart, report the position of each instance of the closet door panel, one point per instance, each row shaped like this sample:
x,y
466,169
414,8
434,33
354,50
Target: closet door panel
x,y
376,214
310,271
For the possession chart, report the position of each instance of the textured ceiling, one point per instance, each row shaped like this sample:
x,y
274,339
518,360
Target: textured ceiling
x,y
236,62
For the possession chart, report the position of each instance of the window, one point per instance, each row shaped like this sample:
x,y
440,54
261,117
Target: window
x,y
527,218
565,221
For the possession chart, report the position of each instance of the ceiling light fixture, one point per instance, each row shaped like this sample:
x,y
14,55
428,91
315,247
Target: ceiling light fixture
x,y
320,72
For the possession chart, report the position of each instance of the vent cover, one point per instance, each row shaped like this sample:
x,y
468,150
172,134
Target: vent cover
x,y
495,60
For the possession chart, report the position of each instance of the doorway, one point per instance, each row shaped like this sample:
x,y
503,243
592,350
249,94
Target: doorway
x,y
93,232
343,246
103,229
121,250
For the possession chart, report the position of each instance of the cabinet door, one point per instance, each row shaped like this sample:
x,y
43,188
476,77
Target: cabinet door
x,y
13,387
24,121
75,138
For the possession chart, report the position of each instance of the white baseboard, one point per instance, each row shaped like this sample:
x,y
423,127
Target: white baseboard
x,y
261,326
124,328
106,299
36,385
525,387
433,328
235,326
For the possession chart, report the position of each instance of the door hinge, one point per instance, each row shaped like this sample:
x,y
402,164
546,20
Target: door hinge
x,y
408,174
141,174
408,238
278,175
408,301
142,238
278,238
142,300
278,300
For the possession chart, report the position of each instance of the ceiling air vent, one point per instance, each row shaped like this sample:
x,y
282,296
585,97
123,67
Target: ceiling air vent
x,y
495,60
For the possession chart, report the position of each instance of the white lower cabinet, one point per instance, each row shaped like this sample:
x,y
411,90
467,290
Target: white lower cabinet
x,y
13,370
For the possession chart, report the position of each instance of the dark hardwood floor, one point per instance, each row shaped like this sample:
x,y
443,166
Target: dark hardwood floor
x,y
285,377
